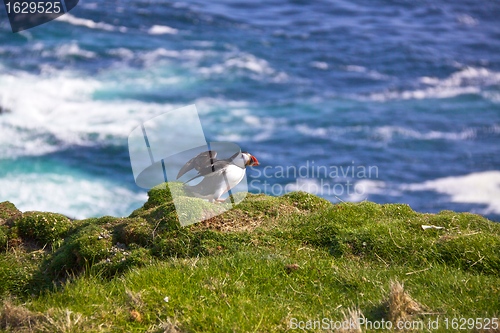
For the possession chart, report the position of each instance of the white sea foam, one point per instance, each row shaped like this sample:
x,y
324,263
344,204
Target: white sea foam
x,y
69,50
355,68
433,92
152,57
466,20
263,128
73,20
234,108
26,34
229,137
252,120
469,80
162,30
385,133
475,188
61,112
364,187
317,132
257,128
492,96
319,65
72,195
240,62
370,73
266,128
258,68
243,61
122,52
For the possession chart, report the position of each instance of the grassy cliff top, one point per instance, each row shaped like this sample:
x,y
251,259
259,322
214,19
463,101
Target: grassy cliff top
x,y
270,264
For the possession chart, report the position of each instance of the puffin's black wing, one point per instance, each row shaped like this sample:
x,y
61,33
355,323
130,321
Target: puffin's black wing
x,y
214,169
202,161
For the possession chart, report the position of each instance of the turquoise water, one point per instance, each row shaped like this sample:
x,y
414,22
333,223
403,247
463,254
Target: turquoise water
x,y
410,90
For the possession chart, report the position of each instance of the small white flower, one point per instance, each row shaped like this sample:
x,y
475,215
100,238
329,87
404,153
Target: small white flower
x,y
166,299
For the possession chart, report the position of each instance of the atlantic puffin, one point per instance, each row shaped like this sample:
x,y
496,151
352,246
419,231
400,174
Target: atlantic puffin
x,y
219,175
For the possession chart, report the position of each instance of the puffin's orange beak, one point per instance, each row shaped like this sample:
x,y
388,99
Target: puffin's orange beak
x,y
254,161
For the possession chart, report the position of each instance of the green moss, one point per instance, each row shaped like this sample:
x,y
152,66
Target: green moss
x,y
255,205
45,228
296,255
393,234
179,244
120,259
307,201
163,217
477,252
173,200
16,272
399,211
91,244
135,231
87,246
192,210
162,193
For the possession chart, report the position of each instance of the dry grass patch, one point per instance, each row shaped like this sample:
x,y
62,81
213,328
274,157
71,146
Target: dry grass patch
x,y
134,299
18,318
231,222
244,219
63,321
169,326
353,317
402,307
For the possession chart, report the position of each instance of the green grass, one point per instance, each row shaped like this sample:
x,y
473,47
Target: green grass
x,y
252,269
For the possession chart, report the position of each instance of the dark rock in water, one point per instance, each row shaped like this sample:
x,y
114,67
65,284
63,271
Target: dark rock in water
x,y
3,110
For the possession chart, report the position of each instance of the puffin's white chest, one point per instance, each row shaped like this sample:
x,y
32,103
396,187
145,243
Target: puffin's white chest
x,y
234,174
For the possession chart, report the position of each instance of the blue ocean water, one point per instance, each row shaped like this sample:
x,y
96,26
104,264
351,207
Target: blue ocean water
x,y
389,101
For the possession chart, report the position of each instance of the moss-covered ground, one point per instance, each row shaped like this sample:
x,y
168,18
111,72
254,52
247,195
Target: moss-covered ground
x,y
270,265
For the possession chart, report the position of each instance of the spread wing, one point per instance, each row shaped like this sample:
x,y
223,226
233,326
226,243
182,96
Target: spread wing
x,y
203,163
217,168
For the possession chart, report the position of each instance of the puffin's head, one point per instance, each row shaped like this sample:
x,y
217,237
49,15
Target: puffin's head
x,y
249,159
